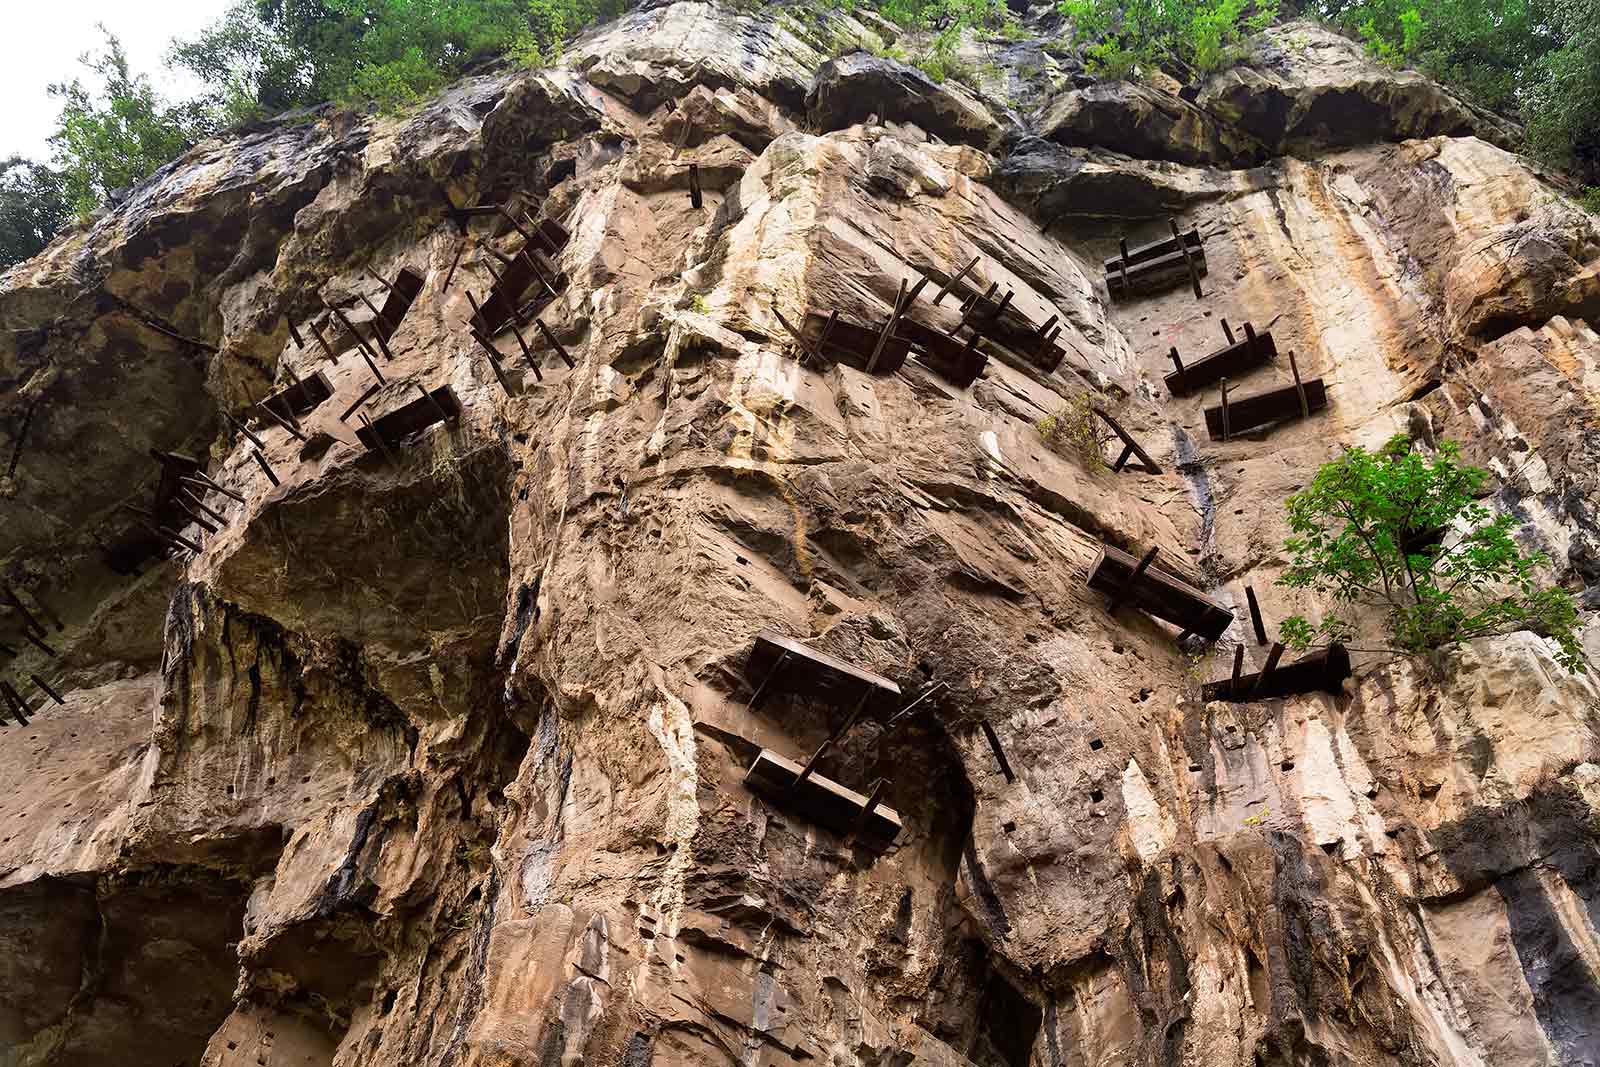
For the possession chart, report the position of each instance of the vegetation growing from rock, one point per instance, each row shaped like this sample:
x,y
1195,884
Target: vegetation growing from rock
x,y
1537,59
1189,38
1403,531
33,206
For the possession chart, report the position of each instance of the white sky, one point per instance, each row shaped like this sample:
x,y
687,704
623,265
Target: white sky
x,y
42,40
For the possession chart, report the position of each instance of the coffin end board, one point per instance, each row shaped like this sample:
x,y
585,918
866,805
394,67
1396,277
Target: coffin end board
x,y
1277,405
1159,594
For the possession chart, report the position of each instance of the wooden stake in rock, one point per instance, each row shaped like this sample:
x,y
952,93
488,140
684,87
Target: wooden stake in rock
x,y
1255,615
1133,579
195,501
294,334
1272,665
1188,258
383,445
242,428
955,279
444,416
377,335
178,540
316,331
1224,409
1299,387
694,185
200,481
285,424
362,399
1238,665
560,350
51,693
527,353
265,466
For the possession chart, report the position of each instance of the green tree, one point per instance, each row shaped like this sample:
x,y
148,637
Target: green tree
x,y
1186,38
118,136
1403,531
33,208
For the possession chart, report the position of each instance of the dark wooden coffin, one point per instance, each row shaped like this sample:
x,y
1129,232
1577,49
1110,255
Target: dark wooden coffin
x,y
1249,412
1159,593
1154,274
506,295
821,800
1229,362
1321,671
1156,249
301,397
852,345
782,664
395,426
957,363
402,294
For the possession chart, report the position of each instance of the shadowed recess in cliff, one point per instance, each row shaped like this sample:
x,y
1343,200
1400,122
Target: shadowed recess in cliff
x,y
1543,858
134,970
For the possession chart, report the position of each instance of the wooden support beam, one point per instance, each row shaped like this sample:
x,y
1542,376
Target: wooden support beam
x,y
1159,594
49,692
372,391
833,739
1238,665
1188,258
238,424
1264,408
316,331
19,707
285,424
1299,386
455,261
378,334
760,690
1224,410
559,347
1255,615
265,466
1000,308
302,396
888,328
958,363
383,447
37,641
527,353
200,505
873,800
207,481
28,620
380,279
1131,446
294,334
1323,670
194,516
999,753
955,279
694,185
1131,580
180,541
1273,655
1176,362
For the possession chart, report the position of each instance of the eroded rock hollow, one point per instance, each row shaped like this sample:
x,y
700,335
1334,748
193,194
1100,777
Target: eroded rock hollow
x,y
421,736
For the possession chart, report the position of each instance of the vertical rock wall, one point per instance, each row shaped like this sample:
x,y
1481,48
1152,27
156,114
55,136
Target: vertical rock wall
x,y
437,757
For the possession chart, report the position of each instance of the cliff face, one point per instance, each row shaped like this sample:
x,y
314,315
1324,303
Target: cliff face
x,y
434,754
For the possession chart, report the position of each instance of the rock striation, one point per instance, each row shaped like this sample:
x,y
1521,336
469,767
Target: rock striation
x,y
435,753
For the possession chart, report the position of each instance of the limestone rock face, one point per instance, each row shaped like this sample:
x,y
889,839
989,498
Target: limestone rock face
x,y
434,754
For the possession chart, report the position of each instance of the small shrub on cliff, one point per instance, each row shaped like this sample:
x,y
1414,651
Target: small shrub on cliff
x,y
1403,531
1186,38
1075,429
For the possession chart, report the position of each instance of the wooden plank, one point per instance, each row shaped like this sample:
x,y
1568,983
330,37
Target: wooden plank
x,y
1321,671
301,397
1159,594
1263,408
1154,274
957,363
852,344
986,315
1227,362
1164,246
783,664
417,415
403,292
822,800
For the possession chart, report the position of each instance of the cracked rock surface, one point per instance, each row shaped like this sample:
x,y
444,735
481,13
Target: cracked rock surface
x,y
434,756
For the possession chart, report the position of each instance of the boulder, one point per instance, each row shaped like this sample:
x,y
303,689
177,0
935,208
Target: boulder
x,y
859,86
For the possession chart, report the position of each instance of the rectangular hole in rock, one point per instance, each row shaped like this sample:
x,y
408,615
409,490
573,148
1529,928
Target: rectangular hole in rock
x,y
1097,744
1096,796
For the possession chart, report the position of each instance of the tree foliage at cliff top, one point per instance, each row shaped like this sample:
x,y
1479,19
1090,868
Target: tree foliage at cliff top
x,y
1403,531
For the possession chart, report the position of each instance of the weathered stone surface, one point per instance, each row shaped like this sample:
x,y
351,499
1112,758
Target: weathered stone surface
x,y
436,758
1146,122
858,87
1307,89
